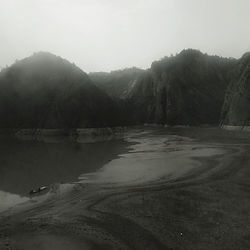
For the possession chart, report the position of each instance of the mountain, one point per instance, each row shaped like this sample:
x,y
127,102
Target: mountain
x,y
117,83
191,88
46,91
186,89
236,108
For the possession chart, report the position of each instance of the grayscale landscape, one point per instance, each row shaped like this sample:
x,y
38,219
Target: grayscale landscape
x,y
124,125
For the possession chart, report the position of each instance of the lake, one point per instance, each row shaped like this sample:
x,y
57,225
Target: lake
x,y
154,186
137,157
27,164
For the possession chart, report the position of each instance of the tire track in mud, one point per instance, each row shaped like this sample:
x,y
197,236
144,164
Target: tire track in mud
x,y
223,168
114,229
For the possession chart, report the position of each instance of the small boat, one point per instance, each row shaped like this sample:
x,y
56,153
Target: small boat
x,y
36,191
40,189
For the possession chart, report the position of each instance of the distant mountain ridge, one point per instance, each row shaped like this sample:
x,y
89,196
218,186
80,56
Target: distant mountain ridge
x,y
191,88
116,83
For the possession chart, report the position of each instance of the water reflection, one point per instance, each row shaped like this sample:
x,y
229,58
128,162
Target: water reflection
x,y
25,165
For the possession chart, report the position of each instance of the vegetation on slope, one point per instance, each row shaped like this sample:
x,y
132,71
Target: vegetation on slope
x,y
186,89
46,91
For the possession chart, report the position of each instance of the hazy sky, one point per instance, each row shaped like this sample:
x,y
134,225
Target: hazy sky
x,y
102,35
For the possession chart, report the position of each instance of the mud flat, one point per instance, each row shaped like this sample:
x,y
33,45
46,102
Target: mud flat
x,y
236,128
175,188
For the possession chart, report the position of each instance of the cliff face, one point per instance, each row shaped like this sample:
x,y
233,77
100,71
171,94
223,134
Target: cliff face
x,y
46,91
186,89
117,83
236,108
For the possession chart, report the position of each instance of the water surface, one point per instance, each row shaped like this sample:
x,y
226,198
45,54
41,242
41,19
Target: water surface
x,y
142,156
27,164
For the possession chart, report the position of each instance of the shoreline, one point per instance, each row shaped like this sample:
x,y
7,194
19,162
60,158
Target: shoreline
x,y
236,128
99,215
92,132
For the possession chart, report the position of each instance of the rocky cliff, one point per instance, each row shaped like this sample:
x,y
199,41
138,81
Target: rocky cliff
x,y
236,108
46,91
186,89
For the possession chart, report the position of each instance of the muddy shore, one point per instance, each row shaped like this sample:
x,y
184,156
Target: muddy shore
x,y
204,205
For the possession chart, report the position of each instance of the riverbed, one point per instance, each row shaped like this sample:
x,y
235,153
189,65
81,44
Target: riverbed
x,y
154,188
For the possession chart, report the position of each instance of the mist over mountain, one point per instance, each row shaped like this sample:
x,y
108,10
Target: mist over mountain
x,y
236,108
191,88
46,91
117,83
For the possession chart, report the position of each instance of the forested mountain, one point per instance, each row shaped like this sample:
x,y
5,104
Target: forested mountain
x,y
46,91
186,89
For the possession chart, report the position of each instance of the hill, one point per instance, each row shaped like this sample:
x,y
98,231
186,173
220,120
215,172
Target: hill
x,y
46,91
117,83
186,89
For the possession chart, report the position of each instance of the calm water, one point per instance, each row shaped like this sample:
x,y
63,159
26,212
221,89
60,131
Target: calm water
x,y
142,156
25,165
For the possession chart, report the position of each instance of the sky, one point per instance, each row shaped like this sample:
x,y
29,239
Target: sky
x,y
105,35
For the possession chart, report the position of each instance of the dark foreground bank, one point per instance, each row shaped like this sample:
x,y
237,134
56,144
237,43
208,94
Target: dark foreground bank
x,y
193,194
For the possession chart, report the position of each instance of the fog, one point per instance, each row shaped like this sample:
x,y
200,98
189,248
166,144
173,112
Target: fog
x,y
103,35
